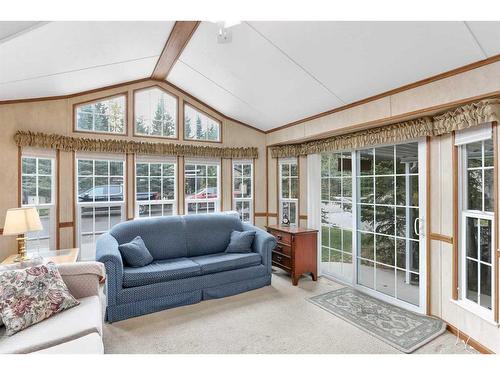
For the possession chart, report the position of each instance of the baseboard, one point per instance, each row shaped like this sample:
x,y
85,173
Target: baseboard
x,y
470,341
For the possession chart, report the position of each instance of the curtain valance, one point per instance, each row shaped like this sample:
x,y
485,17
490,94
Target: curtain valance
x,y
67,143
460,118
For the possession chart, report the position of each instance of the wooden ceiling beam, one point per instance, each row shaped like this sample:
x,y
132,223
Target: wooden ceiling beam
x,y
178,39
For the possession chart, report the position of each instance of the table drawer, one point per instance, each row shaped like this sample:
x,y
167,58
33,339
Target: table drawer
x,y
284,249
282,260
281,236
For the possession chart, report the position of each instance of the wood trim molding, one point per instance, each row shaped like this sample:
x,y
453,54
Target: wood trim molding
x,y
272,214
1,231
450,73
428,224
254,192
19,175
496,272
471,342
58,199
66,224
302,217
177,40
440,237
454,286
96,100
260,214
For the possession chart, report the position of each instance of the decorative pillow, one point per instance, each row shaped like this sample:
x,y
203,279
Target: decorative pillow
x,y
241,242
30,295
135,253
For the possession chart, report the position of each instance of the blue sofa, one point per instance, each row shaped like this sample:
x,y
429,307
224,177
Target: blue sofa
x,y
190,263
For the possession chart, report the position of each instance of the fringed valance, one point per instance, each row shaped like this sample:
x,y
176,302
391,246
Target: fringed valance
x,y
460,118
385,134
66,143
467,116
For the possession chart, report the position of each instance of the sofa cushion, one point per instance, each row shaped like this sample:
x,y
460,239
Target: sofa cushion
x,y
226,261
241,242
135,253
159,271
164,236
89,344
209,233
68,325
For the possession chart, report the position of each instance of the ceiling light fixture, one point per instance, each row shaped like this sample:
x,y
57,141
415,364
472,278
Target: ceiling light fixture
x,y
224,35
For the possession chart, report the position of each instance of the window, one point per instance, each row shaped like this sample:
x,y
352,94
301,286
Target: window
x,y
104,116
100,200
155,113
243,189
477,223
155,184
38,190
202,193
198,126
288,191
336,215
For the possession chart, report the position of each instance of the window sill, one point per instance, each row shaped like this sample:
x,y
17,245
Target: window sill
x,y
485,316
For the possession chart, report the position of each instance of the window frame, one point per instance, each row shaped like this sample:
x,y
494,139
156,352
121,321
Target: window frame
x,y
109,203
250,199
204,113
281,200
465,213
218,200
134,113
149,161
52,206
97,100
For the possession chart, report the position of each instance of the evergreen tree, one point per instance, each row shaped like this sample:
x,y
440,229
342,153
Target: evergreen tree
x,y
101,118
141,126
168,125
188,130
212,133
200,134
116,118
159,117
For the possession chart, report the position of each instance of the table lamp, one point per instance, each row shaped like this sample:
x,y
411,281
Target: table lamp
x,y
19,221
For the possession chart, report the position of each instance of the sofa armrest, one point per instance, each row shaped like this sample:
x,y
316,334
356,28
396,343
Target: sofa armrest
x,y
83,279
107,253
263,244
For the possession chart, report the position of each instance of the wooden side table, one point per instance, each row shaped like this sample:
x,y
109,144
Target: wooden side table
x,y
296,251
56,256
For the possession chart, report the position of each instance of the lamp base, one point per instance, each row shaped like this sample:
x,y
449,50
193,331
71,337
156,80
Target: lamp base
x,y
21,250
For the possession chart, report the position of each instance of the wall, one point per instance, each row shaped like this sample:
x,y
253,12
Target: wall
x,y
56,116
418,101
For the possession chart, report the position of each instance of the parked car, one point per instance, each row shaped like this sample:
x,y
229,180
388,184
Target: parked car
x,y
206,193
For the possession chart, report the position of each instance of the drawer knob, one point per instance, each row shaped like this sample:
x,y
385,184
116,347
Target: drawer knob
x,y
278,237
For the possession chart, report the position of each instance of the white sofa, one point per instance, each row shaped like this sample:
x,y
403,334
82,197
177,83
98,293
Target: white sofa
x,y
74,331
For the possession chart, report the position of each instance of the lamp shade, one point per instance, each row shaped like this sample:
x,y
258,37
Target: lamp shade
x,y
21,220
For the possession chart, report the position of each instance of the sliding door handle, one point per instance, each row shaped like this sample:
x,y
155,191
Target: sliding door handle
x,y
416,226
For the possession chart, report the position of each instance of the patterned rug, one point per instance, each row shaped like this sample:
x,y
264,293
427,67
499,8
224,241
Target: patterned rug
x,y
400,328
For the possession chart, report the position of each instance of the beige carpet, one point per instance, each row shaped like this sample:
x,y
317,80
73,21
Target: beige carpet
x,y
274,319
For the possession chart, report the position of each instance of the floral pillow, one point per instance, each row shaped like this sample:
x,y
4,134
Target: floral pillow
x,y
30,295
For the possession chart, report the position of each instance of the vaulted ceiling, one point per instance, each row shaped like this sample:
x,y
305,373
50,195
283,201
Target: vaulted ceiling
x,y
271,73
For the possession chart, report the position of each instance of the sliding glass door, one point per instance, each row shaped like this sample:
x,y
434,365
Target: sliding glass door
x,y
372,234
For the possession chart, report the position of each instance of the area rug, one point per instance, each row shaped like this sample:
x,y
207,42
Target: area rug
x,y
400,328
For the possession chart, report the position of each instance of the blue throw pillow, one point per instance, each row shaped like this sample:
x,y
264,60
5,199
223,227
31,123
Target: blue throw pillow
x,y
135,253
241,242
